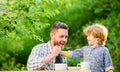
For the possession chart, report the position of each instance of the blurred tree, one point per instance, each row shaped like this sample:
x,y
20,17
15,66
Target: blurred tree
x,y
24,23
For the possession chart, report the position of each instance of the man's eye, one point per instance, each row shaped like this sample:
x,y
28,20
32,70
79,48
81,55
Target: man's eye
x,y
66,36
60,36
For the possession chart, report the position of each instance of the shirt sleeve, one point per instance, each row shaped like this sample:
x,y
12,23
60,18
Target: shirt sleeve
x,y
108,60
76,53
36,59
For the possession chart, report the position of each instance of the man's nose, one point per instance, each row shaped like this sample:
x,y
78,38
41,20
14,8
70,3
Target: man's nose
x,y
64,39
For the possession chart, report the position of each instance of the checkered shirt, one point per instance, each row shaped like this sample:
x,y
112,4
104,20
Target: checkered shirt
x,y
36,60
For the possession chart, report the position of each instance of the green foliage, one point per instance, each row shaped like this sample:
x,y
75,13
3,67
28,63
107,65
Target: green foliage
x,y
25,23
74,61
22,25
84,13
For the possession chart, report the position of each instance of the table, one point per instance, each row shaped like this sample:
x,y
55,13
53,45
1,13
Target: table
x,y
70,69
76,69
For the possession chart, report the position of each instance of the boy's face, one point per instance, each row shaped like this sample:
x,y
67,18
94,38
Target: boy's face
x,y
92,41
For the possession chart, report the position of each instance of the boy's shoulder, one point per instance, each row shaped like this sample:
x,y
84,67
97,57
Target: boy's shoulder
x,y
86,47
103,48
97,47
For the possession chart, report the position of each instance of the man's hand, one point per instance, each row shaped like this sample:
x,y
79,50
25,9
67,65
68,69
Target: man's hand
x,y
56,50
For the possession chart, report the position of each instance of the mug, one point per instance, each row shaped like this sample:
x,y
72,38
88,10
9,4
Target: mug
x,y
84,66
61,66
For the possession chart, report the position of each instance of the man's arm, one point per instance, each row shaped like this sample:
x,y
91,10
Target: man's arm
x,y
37,60
55,51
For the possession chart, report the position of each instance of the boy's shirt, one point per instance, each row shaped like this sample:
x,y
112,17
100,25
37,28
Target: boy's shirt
x,y
99,57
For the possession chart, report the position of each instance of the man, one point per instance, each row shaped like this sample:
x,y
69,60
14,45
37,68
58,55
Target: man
x,y
43,56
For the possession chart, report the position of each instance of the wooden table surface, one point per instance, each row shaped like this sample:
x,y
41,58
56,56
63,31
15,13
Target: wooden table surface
x,y
70,69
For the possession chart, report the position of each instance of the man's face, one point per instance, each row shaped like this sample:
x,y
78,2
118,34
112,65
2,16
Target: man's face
x,y
59,37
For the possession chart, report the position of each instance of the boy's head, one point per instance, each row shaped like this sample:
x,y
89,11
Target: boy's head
x,y
97,31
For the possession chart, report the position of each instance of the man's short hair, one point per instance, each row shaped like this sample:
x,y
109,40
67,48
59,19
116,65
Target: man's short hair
x,y
58,25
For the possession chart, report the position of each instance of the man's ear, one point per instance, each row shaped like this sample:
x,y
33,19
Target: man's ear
x,y
51,34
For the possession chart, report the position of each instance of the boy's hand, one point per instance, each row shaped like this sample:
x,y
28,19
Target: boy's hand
x,y
65,53
110,70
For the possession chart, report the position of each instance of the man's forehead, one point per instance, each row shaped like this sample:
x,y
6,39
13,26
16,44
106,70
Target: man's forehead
x,y
61,30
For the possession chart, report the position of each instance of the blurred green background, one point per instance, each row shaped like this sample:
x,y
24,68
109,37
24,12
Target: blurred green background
x,y
25,23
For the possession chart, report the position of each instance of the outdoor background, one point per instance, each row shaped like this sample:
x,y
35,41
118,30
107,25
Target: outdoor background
x,y
26,23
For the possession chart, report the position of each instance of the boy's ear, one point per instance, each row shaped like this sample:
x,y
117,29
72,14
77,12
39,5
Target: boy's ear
x,y
98,39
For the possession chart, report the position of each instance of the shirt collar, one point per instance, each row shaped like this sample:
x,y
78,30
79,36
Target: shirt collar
x,y
49,45
96,46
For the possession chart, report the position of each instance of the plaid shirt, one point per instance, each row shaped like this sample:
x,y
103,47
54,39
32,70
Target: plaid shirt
x,y
36,59
99,57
